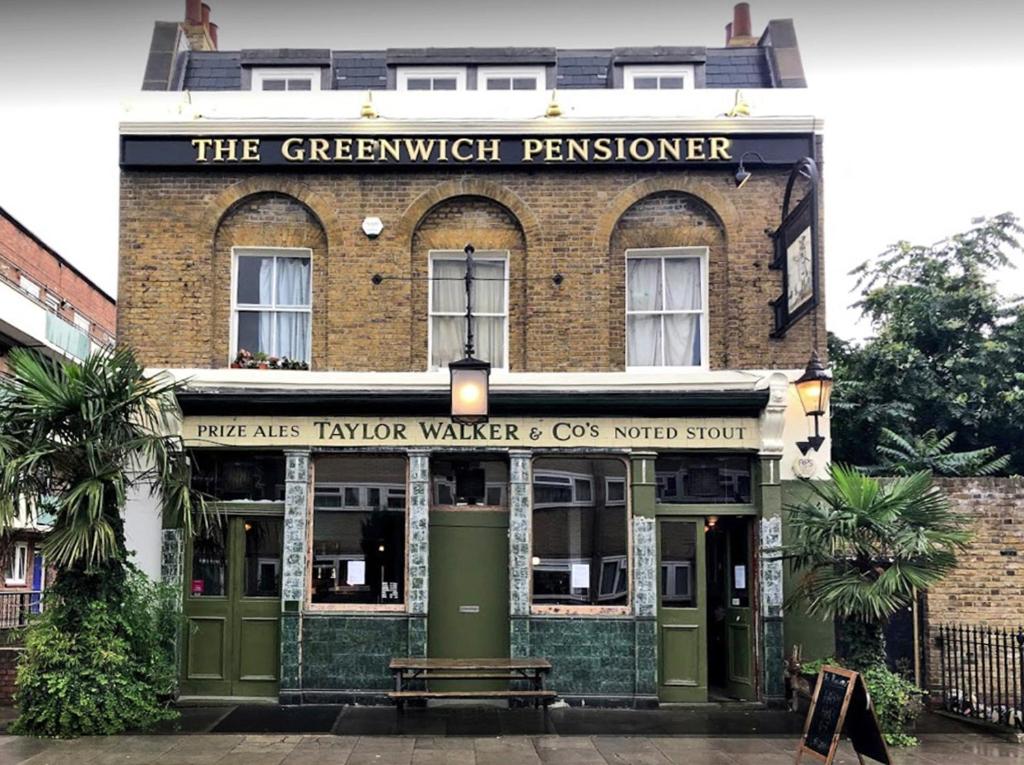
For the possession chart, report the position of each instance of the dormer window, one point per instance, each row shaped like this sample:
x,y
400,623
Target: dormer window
x,y
678,77
422,78
510,78
280,79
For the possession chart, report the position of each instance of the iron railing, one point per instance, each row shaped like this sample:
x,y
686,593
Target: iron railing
x,y
17,606
981,670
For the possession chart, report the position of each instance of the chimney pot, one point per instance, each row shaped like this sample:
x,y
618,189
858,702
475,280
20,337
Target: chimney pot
x,y
212,29
728,33
741,25
206,14
193,11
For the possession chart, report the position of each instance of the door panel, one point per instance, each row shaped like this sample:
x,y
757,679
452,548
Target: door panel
x,y
207,647
258,649
468,616
232,609
682,622
738,614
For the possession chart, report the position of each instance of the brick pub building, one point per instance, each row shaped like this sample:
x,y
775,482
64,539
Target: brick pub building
x,y
617,513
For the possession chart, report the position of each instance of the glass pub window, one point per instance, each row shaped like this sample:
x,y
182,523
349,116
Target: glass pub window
x,y
658,78
210,562
272,303
277,79
665,307
580,532
501,78
448,308
233,476
263,544
703,478
359,507
445,79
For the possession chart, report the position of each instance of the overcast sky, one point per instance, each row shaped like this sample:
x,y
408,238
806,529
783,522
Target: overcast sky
x,y
923,100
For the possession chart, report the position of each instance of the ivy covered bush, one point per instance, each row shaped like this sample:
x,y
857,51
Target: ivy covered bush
x,y
99,667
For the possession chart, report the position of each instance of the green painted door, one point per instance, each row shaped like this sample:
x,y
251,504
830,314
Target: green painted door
x,y
232,609
468,607
682,620
739,632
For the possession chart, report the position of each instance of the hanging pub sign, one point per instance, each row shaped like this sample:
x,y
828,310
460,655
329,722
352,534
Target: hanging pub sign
x,y
796,252
841,704
354,151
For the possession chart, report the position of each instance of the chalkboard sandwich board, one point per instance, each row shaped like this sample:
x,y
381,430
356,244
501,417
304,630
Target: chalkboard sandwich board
x,y
841,702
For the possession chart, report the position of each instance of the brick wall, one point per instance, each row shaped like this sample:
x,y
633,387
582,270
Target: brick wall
x,y
21,254
987,588
177,229
8,673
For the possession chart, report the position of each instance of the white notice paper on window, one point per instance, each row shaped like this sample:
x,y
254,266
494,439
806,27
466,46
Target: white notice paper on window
x,y
739,577
580,576
356,572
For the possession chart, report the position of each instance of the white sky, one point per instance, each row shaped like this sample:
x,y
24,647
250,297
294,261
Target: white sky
x,y
923,100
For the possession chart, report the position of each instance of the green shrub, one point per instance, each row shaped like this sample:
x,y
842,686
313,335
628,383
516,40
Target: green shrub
x,y
99,667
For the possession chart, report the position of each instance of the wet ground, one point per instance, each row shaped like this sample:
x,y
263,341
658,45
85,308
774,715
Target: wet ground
x,y
486,736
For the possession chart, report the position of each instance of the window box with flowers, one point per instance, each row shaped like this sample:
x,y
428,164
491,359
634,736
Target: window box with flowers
x,y
259,360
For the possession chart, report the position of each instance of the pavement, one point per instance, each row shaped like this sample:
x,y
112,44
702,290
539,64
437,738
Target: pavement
x,y
271,749
459,735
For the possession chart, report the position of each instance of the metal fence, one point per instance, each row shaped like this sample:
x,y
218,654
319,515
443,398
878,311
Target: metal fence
x,y
981,670
16,607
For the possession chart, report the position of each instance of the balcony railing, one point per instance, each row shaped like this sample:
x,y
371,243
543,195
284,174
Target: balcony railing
x,y
17,607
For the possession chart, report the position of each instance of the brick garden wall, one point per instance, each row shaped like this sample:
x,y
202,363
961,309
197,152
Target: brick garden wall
x,y
177,229
987,588
8,670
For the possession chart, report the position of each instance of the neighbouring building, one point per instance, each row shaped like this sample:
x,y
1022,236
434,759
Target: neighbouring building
x,y
293,234
47,304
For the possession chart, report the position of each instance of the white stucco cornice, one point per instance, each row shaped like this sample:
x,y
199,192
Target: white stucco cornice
x,y
394,382
467,113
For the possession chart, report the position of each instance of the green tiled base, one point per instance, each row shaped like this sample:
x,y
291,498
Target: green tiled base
x,y
588,656
351,653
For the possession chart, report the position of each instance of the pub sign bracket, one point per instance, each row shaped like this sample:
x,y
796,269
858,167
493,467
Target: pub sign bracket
x,y
795,252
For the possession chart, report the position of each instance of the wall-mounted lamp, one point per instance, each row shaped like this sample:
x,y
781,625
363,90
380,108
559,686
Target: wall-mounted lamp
x,y
742,174
470,377
815,389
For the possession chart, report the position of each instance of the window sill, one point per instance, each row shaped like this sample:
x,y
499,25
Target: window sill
x,y
354,609
581,611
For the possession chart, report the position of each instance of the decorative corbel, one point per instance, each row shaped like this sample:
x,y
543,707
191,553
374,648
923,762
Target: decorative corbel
x,y
773,418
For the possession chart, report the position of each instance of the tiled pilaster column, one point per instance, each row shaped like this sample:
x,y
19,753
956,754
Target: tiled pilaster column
x,y
645,572
771,579
520,478
293,570
418,550
172,572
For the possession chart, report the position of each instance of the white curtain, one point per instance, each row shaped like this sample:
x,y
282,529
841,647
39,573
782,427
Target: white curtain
x,y
678,333
292,326
266,298
489,297
643,293
449,296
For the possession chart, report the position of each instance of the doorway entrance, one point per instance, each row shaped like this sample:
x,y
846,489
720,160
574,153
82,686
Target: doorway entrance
x,y
705,609
232,608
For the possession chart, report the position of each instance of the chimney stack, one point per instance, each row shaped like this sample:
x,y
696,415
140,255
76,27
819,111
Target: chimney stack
x,y
200,31
739,32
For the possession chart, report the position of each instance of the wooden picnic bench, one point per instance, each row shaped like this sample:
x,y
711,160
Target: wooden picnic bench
x,y
407,670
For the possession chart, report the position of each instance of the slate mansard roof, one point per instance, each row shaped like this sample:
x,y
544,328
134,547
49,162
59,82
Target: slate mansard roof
x,y
368,70
770,61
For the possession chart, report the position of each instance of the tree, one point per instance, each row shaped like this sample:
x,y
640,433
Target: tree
x,y
930,452
861,547
78,438
948,350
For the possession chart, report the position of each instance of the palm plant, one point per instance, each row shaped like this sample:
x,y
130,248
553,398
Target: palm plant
x,y
77,438
905,455
863,547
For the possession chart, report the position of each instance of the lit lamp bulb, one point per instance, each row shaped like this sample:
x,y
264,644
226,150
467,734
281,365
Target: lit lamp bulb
x,y
535,560
469,390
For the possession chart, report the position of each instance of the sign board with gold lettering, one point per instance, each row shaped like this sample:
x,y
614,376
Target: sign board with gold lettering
x,y
368,150
512,432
